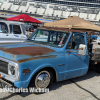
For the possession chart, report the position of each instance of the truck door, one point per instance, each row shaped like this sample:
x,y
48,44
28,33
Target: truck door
x,y
76,64
15,34
3,31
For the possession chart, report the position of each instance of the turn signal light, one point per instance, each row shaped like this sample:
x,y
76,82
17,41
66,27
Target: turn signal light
x,y
0,76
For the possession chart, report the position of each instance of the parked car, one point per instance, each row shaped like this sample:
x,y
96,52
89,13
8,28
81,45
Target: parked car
x,y
29,28
12,31
98,40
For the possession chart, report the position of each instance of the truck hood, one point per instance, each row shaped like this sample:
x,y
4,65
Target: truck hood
x,y
19,51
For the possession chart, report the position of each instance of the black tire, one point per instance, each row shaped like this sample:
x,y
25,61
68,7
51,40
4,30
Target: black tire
x,y
33,83
98,43
98,67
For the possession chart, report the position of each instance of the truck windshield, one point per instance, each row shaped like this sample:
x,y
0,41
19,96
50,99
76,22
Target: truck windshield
x,y
3,28
49,37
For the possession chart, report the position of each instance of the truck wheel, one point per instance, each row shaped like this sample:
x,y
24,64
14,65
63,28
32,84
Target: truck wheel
x,y
98,68
98,43
42,79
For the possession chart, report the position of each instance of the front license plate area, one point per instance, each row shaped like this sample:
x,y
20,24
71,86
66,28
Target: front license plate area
x,y
3,85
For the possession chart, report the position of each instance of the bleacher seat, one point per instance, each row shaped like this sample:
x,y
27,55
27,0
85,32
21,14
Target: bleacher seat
x,y
32,10
57,13
65,14
69,9
49,12
23,8
5,6
14,8
83,15
74,14
92,17
99,12
1,4
98,17
40,11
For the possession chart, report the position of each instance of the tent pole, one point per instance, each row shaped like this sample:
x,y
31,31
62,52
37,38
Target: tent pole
x,y
89,39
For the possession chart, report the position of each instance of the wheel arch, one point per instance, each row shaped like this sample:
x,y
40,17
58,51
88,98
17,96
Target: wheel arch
x,y
44,68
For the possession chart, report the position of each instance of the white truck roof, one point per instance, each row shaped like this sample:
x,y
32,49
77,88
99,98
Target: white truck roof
x,y
12,31
13,22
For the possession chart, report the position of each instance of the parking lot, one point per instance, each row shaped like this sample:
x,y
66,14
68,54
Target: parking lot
x,y
82,88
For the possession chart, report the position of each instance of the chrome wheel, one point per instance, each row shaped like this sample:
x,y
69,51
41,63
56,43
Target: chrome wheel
x,y
42,79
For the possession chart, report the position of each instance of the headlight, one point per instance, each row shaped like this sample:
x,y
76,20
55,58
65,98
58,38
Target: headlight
x,y
12,70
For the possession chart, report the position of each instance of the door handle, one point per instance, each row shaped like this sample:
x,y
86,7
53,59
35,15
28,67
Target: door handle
x,y
6,35
68,52
86,55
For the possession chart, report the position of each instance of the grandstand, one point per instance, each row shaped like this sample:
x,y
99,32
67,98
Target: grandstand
x,y
53,9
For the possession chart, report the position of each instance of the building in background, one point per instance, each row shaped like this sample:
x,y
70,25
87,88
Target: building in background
x,y
81,3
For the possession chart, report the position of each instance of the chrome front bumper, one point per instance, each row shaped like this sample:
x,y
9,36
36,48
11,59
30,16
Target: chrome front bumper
x,y
4,83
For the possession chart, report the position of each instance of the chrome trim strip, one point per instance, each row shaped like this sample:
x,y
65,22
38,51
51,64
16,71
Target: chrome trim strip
x,y
61,64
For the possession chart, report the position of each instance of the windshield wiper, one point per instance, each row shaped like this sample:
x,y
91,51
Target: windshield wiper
x,y
41,42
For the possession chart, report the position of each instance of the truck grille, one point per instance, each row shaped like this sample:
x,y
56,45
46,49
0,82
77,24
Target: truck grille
x,y
3,67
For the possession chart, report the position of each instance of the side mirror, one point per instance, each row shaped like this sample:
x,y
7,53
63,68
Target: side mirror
x,y
82,49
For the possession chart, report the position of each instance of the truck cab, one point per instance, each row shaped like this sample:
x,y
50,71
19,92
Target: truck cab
x,y
50,54
12,31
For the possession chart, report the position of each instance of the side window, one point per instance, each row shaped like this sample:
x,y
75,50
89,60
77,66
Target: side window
x,y
75,41
15,29
23,29
3,27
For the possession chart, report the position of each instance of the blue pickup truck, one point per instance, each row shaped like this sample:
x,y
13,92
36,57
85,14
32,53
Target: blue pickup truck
x,y
49,54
